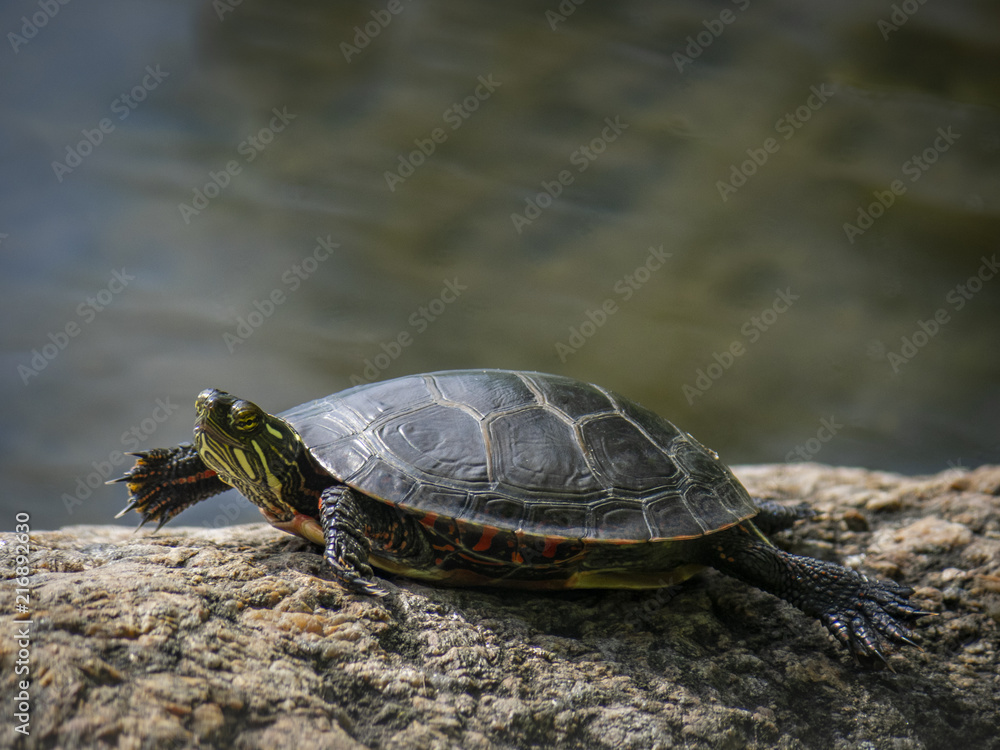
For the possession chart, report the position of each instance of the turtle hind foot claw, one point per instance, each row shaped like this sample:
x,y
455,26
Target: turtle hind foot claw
x,y
873,617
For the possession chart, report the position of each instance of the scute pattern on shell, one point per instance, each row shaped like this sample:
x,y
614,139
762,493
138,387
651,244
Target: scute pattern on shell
x,y
524,452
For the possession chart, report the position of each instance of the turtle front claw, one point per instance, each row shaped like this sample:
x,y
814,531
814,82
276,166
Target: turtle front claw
x,y
369,588
341,517
354,581
165,481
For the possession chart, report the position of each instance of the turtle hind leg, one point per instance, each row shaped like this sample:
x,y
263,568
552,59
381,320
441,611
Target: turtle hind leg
x,y
861,613
773,516
165,481
344,520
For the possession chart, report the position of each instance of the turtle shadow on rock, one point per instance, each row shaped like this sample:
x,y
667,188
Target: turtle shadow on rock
x,y
709,640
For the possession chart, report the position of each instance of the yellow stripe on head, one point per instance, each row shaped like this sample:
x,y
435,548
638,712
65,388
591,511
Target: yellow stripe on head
x,y
272,480
248,470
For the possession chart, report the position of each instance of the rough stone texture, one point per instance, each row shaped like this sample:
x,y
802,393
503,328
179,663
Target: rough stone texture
x,y
199,638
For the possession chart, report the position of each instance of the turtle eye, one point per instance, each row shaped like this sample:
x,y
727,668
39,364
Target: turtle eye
x,y
245,417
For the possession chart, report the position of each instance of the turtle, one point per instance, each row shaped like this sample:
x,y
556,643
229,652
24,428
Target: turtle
x,y
506,478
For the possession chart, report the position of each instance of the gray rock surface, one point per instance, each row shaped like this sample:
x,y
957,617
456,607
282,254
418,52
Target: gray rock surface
x,y
229,638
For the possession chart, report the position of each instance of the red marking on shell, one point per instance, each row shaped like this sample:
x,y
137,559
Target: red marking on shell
x,y
485,540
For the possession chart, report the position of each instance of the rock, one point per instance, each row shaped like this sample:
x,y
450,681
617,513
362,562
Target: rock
x,y
231,638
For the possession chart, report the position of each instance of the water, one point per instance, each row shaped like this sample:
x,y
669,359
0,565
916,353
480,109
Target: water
x,y
292,197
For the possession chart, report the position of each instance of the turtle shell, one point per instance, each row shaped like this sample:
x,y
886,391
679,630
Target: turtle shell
x,y
522,452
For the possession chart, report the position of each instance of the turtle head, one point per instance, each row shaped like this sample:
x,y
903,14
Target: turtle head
x,y
251,450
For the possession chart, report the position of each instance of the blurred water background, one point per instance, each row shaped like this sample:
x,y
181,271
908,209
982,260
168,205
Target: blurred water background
x,y
775,223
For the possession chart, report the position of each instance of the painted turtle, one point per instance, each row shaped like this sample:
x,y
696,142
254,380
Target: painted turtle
x,y
504,478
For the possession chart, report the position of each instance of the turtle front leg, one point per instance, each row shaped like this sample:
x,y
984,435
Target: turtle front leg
x,y
860,612
344,519
165,481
